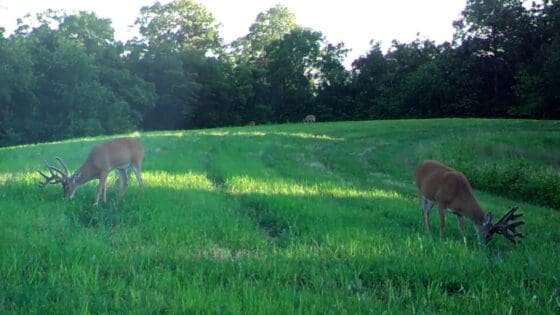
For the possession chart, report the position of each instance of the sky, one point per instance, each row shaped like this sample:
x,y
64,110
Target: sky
x,y
354,22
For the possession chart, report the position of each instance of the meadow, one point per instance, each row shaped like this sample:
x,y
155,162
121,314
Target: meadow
x,y
318,218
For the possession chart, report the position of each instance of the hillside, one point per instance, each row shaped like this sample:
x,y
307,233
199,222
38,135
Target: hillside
x,y
310,218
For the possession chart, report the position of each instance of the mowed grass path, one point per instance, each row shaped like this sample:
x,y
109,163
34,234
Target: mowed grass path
x,y
299,218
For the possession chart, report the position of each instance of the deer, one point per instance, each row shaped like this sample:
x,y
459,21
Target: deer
x,y
309,118
448,188
119,154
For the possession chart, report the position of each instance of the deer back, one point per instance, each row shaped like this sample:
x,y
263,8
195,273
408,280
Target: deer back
x,y
116,153
309,118
449,188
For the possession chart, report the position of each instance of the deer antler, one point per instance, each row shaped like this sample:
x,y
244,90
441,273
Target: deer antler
x,y
57,176
53,179
63,166
507,229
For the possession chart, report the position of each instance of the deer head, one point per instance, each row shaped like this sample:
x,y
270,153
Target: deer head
x,y
58,176
506,226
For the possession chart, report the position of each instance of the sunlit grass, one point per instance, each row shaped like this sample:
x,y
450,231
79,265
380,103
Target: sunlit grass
x,y
159,134
297,218
191,180
261,133
304,135
240,185
22,178
227,133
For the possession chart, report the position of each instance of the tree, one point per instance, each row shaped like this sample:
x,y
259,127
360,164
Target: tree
x,y
173,75
182,25
333,98
369,75
175,39
94,33
71,92
268,27
399,83
498,35
218,98
551,80
537,80
291,71
97,37
18,103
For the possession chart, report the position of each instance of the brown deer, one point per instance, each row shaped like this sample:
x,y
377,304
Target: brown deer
x,y
309,118
119,154
450,189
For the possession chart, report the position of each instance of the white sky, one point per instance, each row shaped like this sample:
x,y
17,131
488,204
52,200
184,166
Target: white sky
x,y
354,22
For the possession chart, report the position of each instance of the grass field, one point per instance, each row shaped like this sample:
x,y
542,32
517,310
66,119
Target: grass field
x,y
299,218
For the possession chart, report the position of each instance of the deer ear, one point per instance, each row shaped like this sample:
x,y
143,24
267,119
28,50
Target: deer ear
x,y
75,177
488,218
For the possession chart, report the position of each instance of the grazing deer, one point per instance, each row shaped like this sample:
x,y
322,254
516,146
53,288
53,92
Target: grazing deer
x,y
450,189
251,123
117,154
309,118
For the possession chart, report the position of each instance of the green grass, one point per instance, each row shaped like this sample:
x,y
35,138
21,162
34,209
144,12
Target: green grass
x,y
298,218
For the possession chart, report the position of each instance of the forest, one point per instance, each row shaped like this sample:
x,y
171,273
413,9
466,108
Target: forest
x,y
64,75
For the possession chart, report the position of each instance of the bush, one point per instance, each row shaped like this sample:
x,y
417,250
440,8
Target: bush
x,y
516,176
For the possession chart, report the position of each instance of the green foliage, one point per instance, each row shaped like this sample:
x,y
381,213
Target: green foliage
x,y
18,104
290,65
522,167
66,79
495,67
294,218
551,78
182,25
217,97
172,75
64,76
268,27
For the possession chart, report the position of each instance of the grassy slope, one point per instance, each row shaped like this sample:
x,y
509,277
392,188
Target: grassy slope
x,y
314,218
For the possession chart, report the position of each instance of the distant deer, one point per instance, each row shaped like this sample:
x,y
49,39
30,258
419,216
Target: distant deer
x,y
309,118
251,123
450,189
119,154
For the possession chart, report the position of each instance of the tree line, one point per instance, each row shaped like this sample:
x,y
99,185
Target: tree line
x,y
64,75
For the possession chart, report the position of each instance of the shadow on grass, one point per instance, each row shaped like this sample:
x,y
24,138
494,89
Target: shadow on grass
x,y
90,216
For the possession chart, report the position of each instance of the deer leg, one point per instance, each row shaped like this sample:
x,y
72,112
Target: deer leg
x,y
427,205
136,170
441,210
105,190
461,224
101,188
123,181
97,193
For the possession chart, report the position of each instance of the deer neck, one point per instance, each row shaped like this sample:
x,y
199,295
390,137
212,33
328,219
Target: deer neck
x,y
475,212
84,174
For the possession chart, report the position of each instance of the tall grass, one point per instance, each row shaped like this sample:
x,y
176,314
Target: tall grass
x,y
301,218
521,165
